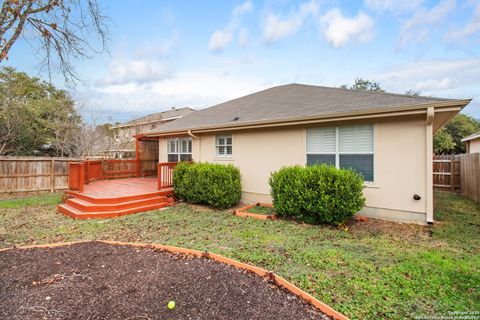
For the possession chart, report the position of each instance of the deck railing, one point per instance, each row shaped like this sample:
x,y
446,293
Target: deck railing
x,y
76,175
109,169
83,172
165,174
93,170
114,169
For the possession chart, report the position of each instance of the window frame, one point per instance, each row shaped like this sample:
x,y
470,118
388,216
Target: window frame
x,y
178,148
337,152
226,145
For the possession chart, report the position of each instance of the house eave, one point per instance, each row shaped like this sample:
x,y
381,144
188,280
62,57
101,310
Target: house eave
x,y
472,137
440,106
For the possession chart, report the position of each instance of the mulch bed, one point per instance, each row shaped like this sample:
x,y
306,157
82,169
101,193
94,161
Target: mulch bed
x,y
101,281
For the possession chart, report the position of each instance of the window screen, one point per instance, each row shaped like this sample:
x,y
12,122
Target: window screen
x,y
361,163
344,147
179,149
224,145
313,159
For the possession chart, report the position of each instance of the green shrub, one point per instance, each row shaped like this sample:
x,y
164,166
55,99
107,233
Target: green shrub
x,y
317,194
204,183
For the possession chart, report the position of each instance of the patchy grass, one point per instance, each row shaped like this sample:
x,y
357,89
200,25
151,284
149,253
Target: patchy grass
x,y
377,270
44,199
458,221
261,210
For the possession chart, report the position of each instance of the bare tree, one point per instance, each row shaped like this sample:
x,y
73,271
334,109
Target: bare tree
x,y
65,133
64,28
9,125
93,138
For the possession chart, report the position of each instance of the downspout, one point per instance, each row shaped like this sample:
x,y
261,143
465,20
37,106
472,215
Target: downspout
x,y
189,132
429,157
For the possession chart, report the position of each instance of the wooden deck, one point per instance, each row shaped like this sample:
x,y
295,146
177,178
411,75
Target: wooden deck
x,y
116,197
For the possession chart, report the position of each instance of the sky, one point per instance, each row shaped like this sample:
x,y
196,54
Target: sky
x,y
165,54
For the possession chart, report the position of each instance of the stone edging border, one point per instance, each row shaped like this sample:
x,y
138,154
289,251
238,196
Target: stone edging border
x,y
243,212
279,281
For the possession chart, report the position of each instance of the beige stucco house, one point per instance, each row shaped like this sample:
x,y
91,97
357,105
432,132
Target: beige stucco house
x,y
386,137
472,143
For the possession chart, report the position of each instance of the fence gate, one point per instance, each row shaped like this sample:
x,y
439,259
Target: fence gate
x,y
446,172
147,156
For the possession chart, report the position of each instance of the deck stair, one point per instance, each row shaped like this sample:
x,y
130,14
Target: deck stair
x,y
83,206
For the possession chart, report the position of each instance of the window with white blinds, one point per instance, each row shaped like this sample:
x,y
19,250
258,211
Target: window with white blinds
x,y
344,147
179,149
224,145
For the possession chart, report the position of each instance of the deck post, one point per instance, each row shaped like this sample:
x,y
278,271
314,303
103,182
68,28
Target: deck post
x,y
82,177
159,176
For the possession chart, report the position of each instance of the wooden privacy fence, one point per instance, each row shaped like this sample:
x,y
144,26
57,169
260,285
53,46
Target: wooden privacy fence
x,y
23,174
458,173
446,172
470,175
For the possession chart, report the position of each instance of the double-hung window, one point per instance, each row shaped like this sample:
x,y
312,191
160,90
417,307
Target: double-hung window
x,y
179,149
344,147
224,146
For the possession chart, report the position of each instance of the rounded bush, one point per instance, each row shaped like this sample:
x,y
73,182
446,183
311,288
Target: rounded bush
x,y
317,194
205,183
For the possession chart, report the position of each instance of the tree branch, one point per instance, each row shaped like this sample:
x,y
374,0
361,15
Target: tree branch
x,y
16,34
64,29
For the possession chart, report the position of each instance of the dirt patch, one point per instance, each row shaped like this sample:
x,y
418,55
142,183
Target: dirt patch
x,y
396,230
101,281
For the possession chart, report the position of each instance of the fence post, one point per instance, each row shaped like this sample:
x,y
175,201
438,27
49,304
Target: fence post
x,y
52,176
452,174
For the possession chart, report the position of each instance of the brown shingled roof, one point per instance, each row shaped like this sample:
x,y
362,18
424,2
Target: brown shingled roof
x,y
295,101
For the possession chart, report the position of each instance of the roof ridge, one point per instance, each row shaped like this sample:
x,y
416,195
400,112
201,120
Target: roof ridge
x,y
139,119
371,91
246,95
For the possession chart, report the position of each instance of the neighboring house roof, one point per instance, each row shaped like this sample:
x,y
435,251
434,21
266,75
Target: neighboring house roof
x,y
471,137
172,114
295,102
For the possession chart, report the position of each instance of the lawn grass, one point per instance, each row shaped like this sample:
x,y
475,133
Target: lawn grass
x,y
376,270
36,200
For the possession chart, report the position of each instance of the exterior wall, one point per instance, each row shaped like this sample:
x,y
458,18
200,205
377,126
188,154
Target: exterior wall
x,y
474,146
399,164
162,150
400,170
